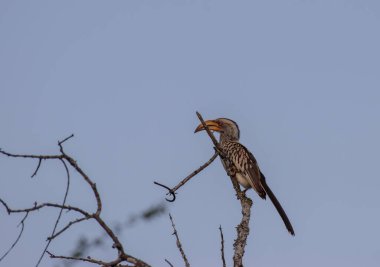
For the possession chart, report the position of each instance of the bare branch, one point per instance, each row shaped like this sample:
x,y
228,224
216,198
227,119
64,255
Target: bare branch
x,y
67,227
168,262
210,134
133,260
31,156
38,167
245,202
18,237
74,164
69,159
64,140
40,206
242,232
170,191
179,245
88,259
122,256
243,227
117,244
185,180
201,168
222,246
115,263
60,212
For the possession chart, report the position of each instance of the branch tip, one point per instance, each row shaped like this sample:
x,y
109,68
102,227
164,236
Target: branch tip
x,y
64,140
38,167
179,245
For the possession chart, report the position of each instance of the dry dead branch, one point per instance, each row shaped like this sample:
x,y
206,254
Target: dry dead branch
x,y
122,258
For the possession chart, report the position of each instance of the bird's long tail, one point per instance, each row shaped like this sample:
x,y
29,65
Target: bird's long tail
x,y
277,205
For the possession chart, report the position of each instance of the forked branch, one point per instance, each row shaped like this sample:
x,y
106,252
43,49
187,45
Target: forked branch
x,y
122,259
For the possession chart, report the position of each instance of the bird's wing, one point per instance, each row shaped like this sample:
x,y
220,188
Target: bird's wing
x,y
247,165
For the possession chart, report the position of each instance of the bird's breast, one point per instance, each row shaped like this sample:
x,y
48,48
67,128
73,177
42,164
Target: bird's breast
x,y
242,180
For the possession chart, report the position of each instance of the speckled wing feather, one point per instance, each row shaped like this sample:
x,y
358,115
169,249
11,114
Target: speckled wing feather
x,y
245,163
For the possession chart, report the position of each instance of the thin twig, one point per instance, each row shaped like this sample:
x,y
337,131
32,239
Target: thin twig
x,y
18,237
31,156
64,140
67,227
210,134
185,180
40,206
222,246
117,244
38,167
179,245
60,212
168,262
170,191
191,175
88,259
122,256
74,164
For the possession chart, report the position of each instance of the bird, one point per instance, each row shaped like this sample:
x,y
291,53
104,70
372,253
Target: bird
x,y
248,173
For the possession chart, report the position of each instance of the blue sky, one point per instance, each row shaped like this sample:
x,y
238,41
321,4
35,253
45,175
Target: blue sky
x,y
301,78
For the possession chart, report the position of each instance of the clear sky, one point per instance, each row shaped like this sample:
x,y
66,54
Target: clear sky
x,y
300,77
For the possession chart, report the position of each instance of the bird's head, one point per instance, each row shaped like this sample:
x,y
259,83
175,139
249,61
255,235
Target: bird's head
x,y
228,129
